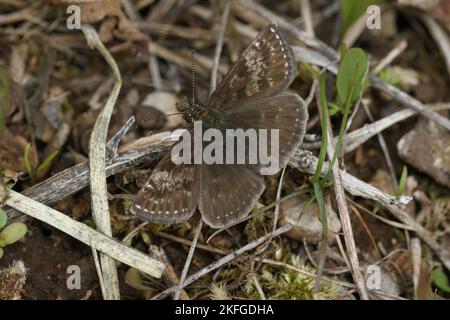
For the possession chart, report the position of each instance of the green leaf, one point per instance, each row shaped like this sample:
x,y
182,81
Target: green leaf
x,y
323,103
352,75
334,109
390,76
440,279
311,69
26,160
3,218
5,96
402,182
1,253
134,279
47,161
351,10
12,233
376,208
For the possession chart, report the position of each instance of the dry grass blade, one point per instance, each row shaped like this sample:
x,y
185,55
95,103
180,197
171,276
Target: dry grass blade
x,y
83,233
97,165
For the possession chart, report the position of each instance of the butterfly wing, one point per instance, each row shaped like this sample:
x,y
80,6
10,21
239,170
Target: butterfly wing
x,y
170,194
285,112
227,193
264,69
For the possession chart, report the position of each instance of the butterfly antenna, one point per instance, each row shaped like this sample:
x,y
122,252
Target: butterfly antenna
x,y
193,77
163,116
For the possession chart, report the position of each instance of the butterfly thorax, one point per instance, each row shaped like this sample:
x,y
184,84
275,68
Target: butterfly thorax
x,y
191,109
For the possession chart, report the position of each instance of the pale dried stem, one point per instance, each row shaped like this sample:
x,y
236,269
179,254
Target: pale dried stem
x,y
344,216
97,165
83,233
180,285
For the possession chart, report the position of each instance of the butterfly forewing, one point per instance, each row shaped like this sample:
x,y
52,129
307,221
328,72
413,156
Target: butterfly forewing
x,y
264,69
170,194
227,193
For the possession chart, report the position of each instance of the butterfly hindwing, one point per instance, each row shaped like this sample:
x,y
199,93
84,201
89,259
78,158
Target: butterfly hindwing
x,y
265,68
170,194
227,193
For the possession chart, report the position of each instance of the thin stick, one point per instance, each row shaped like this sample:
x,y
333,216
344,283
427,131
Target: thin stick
x,y
99,272
219,46
391,56
83,233
303,272
189,243
416,254
305,8
323,247
188,261
276,213
258,287
97,165
359,136
383,146
440,38
222,261
345,219
169,276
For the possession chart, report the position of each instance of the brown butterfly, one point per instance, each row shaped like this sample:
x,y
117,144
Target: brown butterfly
x,y
250,96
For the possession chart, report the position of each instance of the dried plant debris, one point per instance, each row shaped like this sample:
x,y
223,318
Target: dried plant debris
x,y
12,280
53,86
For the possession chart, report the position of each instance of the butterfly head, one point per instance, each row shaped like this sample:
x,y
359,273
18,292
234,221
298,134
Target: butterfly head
x,y
189,108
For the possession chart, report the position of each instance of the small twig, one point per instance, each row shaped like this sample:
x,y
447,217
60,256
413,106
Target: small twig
x,y
276,213
323,247
416,254
169,276
306,162
304,272
83,233
440,38
383,146
391,56
189,243
155,73
354,31
219,46
113,143
316,58
359,136
182,58
188,260
344,216
99,271
305,10
217,264
258,286
97,165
